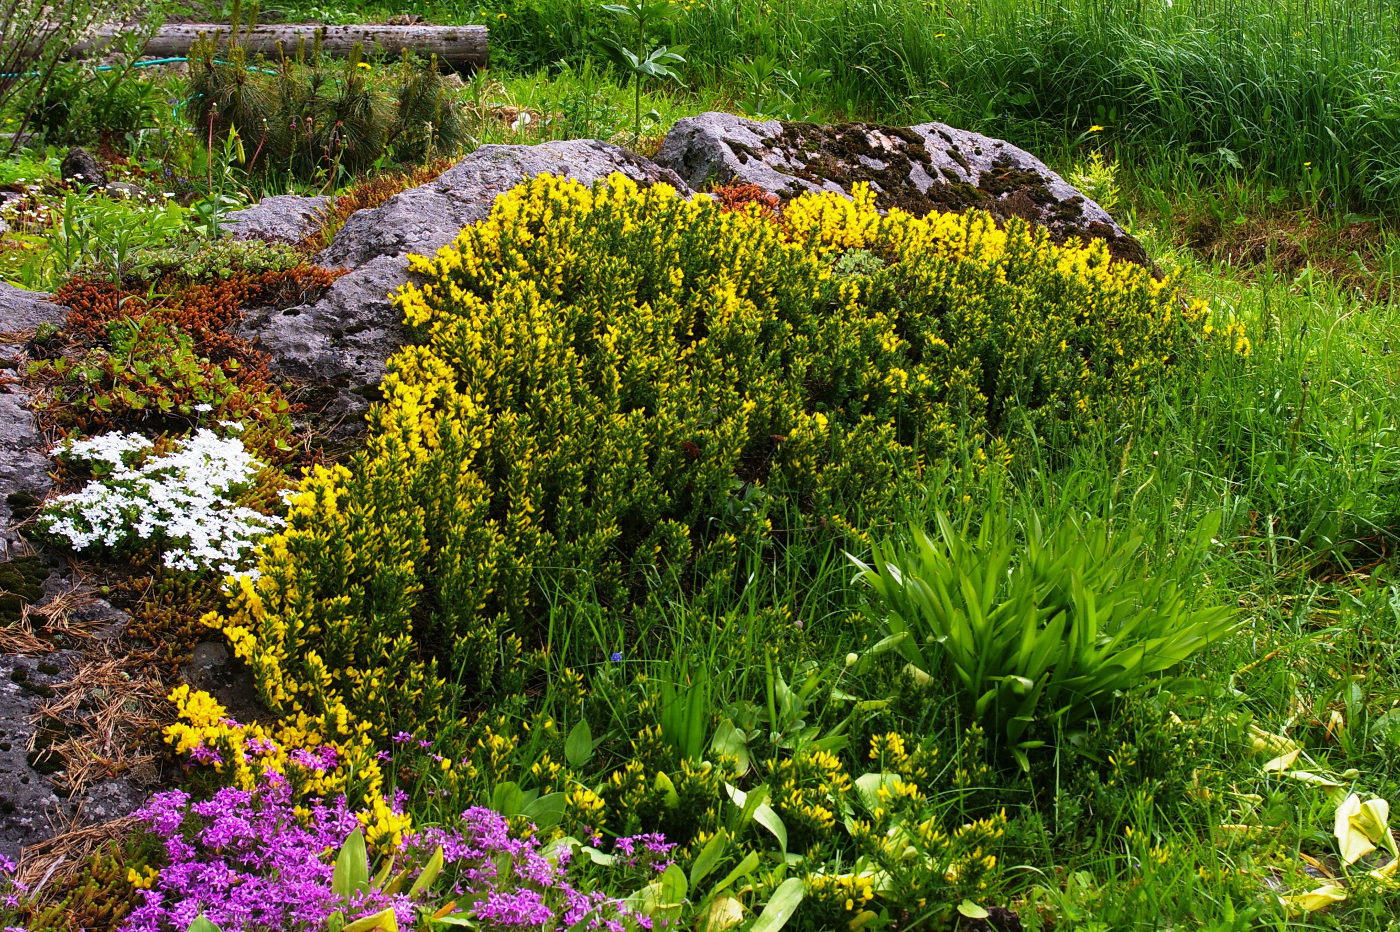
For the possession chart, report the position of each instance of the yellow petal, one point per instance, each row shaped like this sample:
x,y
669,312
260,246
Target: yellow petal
x,y
1262,740
1373,820
1351,840
1283,761
1360,827
1313,900
723,913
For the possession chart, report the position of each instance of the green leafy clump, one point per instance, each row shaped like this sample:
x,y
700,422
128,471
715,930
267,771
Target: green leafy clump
x,y
1042,633
21,583
199,260
149,375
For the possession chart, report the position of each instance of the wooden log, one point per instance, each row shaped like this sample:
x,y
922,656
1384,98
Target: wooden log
x,y
460,47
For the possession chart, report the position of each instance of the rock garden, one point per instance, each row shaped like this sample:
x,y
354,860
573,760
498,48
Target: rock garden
x,y
561,467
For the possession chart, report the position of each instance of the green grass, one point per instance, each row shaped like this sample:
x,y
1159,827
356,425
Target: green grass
x,y
1303,93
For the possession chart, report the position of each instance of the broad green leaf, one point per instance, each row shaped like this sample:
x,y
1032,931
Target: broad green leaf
x,y
742,869
667,789
729,741
868,788
674,887
547,811
578,747
381,877
766,816
351,874
202,924
429,874
508,799
709,857
781,905
384,921
598,857
971,910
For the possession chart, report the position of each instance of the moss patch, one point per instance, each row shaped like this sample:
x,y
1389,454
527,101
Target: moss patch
x,y
21,583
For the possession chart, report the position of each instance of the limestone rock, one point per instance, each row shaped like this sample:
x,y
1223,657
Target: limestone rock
x,y
25,310
921,169
80,166
30,809
24,464
24,467
214,669
338,344
284,218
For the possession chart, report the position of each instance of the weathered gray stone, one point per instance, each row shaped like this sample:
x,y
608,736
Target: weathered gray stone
x,y
123,190
80,166
424,219
24,467
25,310
212,668
921,169
30,810
340,342
284,218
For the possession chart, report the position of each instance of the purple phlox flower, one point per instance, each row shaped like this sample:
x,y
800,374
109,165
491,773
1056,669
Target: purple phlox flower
x,y
402,737
646,850
203,754
521,908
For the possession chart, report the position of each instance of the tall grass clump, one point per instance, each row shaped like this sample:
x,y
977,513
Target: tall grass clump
x,y
1304,93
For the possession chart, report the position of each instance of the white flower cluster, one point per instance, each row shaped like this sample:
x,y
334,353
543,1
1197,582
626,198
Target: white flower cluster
x,y
183,500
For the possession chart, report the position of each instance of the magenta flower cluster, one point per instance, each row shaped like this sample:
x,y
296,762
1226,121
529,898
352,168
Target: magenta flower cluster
x,y
250,864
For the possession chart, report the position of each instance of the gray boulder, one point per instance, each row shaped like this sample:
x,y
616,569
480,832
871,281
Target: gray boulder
x,y
24,467
30,808
920,169
336,347
80,166
284,218
24,464
338,344
25,310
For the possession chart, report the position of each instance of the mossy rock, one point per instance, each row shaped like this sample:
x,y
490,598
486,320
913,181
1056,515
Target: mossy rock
x,y
924,169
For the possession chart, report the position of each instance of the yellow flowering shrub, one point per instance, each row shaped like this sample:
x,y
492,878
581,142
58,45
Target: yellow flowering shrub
x,y
617,394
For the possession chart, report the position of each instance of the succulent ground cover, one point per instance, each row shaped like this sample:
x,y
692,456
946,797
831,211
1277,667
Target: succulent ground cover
x,y
729,564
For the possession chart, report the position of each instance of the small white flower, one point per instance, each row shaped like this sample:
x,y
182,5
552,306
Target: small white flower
x,y
185,500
